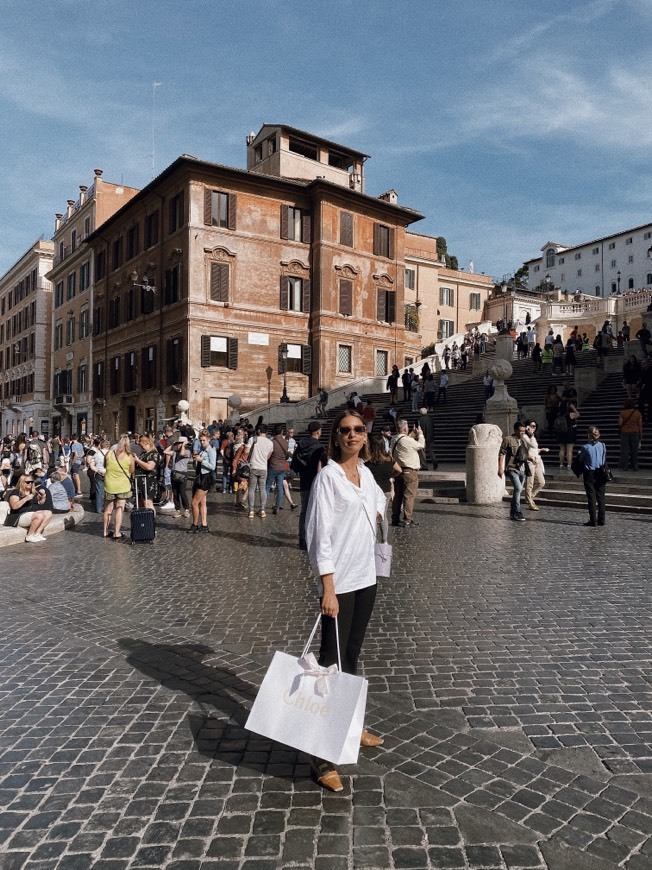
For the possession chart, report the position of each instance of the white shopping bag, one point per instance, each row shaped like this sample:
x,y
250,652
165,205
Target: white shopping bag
x,y
315,709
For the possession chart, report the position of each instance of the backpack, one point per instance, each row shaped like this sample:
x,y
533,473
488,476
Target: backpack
x,y
299,461
560,425
34,453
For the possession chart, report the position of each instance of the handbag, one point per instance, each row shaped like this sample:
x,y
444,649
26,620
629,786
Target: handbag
x,y
315,709
577,465
383,556
603,475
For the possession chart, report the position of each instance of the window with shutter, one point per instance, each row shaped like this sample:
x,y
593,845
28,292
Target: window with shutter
x,y
346,298
284,293
346,229
285,220
220,209
383,241
174,349
220,282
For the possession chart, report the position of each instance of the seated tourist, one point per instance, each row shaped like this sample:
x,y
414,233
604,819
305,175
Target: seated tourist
x,y
26,509
61,501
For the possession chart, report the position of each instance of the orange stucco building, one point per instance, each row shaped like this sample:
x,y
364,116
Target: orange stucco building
x,y
289,254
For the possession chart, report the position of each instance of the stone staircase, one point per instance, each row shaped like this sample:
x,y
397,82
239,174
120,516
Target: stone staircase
x,y
465,401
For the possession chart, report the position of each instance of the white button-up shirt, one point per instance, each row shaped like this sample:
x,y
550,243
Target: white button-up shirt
x,y
341,527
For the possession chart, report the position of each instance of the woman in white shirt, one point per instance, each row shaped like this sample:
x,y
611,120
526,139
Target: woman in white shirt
x,y
340,534
536,480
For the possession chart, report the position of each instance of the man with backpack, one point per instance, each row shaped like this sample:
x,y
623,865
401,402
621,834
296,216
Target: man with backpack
x,y
309,458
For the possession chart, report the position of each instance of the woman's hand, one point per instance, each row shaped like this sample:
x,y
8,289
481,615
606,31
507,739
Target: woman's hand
x,y
330,606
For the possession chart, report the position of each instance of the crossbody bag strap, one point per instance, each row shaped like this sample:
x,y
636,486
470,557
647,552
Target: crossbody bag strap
x,y
121,468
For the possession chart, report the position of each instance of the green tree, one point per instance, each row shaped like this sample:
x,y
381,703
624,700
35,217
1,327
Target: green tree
x,y
442,253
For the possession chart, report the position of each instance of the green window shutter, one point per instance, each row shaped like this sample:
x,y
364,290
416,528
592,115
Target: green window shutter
x,y
306,228
284,222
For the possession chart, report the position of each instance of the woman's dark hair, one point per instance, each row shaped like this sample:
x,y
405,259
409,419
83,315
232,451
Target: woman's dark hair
x,y
334,448
628,404
377,449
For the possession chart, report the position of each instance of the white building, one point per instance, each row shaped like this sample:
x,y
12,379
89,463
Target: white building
x,y
601,267
25,303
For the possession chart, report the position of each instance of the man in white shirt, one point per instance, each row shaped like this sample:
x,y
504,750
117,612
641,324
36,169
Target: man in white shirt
x,y
259,449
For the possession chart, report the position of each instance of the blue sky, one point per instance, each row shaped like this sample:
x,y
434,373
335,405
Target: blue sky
x,y
507,123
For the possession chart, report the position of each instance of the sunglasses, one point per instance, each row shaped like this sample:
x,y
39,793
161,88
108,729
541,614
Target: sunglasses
x,y
345,430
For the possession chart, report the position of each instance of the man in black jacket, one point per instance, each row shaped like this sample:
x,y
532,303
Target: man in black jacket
x,y
308,459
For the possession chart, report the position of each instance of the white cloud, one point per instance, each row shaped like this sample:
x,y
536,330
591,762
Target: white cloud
x,y
546,97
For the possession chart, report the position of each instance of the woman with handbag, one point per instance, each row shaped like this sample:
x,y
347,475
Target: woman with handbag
x,y
120,466
146,465
345,502
595,473
205,464
179,458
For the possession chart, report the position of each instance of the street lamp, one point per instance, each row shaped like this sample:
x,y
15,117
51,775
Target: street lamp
x,y
145,284
284,360
618,277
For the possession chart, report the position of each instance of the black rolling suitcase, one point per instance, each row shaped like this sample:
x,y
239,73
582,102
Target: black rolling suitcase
x,y
143,520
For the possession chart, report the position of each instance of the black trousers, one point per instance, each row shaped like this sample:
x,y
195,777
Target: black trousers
x,y
594,496
355,612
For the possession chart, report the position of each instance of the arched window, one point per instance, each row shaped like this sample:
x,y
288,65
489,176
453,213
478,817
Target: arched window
x,y
597,289
614,288
649,278
630,284
550,258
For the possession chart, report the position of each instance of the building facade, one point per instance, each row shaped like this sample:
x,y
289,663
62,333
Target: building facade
x,y
25,303
238,280
440,302
602,267
72,280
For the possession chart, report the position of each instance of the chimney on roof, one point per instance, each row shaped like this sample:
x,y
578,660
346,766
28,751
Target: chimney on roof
x,y
71,206
57,221
98,173
82,193
390,196
250,138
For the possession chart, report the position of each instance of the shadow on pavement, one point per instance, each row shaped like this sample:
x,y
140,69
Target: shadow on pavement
x,y
223,699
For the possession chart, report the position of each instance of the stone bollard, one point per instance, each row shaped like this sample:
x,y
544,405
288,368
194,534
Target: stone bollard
x,y
483,486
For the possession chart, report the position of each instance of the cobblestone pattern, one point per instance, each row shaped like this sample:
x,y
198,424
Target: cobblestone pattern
x,y
509,670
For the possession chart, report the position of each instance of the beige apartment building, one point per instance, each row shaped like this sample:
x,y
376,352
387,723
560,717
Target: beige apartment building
x,y
25,342
440,302
214,282
72,279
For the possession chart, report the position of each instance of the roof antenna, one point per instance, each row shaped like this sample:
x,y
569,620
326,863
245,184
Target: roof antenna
x,y
154,86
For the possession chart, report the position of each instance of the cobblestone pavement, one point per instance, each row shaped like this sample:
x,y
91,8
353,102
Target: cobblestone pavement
x,y
509,668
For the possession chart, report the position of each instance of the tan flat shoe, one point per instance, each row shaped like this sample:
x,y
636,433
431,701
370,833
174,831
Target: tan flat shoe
x,y
326,775
368,739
